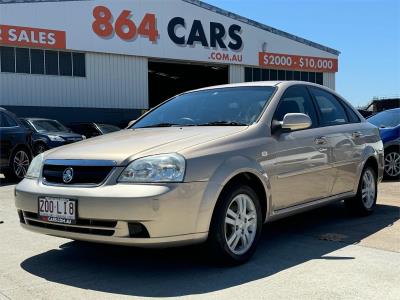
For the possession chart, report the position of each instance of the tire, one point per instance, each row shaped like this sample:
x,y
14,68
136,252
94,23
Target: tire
x,y
234,242
39,148
363,204
19,164
392,164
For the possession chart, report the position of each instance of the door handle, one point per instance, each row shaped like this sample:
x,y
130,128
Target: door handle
x,y
321,140
356,134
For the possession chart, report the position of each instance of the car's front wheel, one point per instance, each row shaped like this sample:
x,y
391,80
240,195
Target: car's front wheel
x,y
236,225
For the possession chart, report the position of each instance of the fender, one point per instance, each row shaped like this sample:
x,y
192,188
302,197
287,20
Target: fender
x,y
369,152
395,142
223,174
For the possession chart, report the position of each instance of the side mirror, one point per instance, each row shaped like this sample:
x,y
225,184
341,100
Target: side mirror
x,y
296,121
130,123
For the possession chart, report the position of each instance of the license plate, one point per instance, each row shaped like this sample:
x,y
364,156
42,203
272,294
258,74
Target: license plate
x,y
57,210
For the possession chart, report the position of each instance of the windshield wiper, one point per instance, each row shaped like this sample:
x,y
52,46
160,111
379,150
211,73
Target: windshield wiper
x,y
223,123
159,125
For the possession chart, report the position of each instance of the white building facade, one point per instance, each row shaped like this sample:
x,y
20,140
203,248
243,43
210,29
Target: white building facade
x,y
106,61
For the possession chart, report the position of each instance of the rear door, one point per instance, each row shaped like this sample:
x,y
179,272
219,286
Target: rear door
x,y
299,165
342,130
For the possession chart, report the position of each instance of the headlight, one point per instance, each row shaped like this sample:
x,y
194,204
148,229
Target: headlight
x,y
157,168
35,167
56,138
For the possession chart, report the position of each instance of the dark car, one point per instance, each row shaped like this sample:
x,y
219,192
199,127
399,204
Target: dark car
x,y
388,122
91,129
48,134
15,146
365,113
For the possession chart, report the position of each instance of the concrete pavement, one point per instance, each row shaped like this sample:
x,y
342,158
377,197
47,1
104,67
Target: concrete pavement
x,y
323,254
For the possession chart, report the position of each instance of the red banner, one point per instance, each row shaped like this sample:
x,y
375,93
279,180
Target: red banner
x,y
297,62
32,37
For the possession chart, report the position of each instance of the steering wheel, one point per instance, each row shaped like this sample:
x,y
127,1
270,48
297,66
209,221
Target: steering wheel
x,y
187,120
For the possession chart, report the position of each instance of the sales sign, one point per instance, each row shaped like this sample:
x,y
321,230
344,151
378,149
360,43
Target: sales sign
x,y
297,62
32,37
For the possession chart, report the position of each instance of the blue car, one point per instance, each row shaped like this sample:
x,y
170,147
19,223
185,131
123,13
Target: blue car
x,y
48,134
388,122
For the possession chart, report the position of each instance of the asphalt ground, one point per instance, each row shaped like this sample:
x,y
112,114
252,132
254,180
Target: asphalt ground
x,y
322,254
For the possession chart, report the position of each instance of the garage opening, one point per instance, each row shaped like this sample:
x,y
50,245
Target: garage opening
x,y
167,79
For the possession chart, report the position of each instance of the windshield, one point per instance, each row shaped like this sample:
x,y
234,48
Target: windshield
x,y
49,126
105,128
239,106
390,118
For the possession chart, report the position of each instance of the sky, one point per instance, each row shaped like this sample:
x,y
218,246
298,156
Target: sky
x,y
366,32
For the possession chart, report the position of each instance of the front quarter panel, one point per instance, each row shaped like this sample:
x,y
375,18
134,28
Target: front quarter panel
x,y
219,162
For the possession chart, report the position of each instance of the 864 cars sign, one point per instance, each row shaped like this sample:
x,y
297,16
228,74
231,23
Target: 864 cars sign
x,y
173,29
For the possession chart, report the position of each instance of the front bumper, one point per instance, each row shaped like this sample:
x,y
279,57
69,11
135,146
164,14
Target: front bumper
x,y
168,212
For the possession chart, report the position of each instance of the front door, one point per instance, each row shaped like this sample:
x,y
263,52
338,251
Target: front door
x,y
299,165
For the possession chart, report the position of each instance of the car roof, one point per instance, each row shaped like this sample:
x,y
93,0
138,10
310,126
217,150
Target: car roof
x,y
390,110
282,83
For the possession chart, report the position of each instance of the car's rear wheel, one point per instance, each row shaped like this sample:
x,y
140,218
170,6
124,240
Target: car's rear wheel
x,y
392,164
236,225
365,201
19,164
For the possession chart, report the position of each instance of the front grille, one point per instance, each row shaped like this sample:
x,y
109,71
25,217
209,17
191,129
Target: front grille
x,y
85,226
86,175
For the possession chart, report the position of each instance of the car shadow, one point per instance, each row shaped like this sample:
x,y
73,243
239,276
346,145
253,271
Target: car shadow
x,y
6,182
187,270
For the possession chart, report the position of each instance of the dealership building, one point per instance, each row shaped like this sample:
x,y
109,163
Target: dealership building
x,y
107,61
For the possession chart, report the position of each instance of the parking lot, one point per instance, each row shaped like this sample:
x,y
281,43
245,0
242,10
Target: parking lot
x,y
323,254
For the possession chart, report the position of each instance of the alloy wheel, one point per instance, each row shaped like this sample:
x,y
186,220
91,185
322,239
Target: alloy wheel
x,y
368,189
392,164
240,224
21,163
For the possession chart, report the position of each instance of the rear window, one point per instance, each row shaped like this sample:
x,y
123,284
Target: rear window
x,y
389,118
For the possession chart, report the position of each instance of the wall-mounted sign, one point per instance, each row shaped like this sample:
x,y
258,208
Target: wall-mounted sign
x,y
297,62
124,26
32,37
172,29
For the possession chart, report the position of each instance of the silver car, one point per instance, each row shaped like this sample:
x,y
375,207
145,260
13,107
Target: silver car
x,y
211,165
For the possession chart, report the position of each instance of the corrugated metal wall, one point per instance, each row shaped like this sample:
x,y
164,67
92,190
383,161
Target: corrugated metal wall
x,y
112,81
329,80
236,74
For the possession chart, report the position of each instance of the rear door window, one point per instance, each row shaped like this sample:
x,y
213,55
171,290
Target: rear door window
x,y
353,117
331,110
